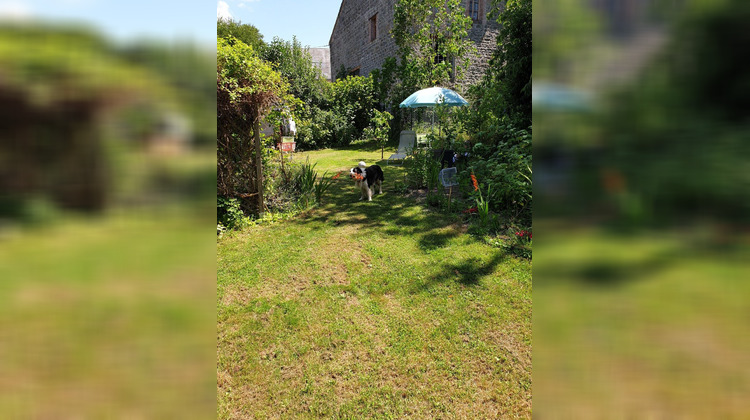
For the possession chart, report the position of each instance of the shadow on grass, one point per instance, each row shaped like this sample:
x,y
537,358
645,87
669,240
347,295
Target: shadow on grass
x,y
604,272
435,240
468,272
389,213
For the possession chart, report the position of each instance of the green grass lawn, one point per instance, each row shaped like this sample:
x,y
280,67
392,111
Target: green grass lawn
x,y
112,315
379,309
108,316
640,326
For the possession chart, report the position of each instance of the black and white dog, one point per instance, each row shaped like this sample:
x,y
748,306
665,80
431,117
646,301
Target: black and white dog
x,y
366,178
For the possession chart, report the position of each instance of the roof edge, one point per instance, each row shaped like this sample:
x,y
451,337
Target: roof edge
x,y
336,23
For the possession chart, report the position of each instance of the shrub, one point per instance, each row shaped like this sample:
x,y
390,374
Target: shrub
x,y
421,169
339,116
505,167
229,213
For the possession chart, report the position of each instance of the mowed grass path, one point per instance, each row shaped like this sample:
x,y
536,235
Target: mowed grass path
x,y
379,309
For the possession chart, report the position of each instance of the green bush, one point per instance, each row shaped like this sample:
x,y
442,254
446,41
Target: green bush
x,y
505,168
338,115
229,213
421,169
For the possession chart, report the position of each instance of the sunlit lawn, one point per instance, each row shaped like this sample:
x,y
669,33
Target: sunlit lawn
x,y
370,309
112,315
107,316
640,326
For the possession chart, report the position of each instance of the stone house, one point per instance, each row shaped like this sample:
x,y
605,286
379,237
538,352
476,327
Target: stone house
x,y
361,39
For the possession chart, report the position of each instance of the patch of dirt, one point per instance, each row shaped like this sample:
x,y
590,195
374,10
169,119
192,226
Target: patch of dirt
x,y
236,294
337,273
507,341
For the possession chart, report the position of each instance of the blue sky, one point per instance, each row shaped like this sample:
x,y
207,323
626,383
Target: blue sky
x,y
310,21
124,20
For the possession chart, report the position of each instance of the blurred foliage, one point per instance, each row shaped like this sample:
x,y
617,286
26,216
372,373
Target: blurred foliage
x,y
188,70
103,313
57,63
680,139
632,317
563,30
76,106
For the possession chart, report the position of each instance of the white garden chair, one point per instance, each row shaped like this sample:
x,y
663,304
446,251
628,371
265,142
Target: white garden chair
x,y
406,143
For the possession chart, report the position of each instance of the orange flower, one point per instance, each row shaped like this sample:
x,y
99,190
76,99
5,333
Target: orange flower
x,y
337,175
474,181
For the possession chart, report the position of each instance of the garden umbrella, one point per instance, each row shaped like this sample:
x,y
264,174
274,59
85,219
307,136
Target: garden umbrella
x,y
556,97
432,97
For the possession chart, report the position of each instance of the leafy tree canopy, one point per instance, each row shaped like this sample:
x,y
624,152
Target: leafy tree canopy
x,y
431,35
50,64
230,29
509,75
246,85
295,65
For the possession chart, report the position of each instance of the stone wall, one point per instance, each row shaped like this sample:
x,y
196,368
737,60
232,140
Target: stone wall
x,y
350,40
321,58
351,46
484,36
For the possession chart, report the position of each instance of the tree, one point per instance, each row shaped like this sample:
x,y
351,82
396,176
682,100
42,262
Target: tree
x,y
564,33
509,75
247,88
295,64
432,40
230,29
378,129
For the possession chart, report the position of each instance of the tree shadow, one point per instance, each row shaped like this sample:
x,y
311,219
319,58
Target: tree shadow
x,y
391,213
435,240
607,272
468,272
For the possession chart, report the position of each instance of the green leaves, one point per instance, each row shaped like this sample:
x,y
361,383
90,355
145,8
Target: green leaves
x,y
431,34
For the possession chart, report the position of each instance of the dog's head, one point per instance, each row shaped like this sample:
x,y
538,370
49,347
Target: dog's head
x,y
357,174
